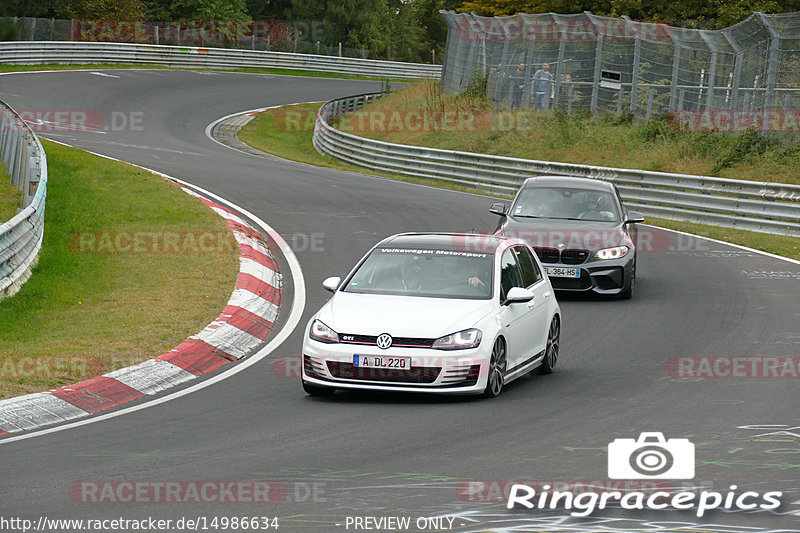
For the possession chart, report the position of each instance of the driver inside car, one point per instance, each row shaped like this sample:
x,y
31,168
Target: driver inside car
x,y
593,209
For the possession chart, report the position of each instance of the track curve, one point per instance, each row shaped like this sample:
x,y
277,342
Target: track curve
x,y
364,454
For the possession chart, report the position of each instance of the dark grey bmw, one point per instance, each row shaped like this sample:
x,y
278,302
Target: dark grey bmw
x,y
580,229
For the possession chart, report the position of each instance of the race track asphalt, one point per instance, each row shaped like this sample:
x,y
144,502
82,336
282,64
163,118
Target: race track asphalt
x,y
396,455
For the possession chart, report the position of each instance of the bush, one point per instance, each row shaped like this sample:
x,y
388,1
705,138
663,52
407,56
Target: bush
x,y
9,30
656,129
739,147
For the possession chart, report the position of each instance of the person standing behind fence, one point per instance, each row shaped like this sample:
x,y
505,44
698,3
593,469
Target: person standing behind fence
x,y
541,86
518,85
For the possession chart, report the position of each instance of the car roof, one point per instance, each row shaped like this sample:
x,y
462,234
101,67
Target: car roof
x,y
487,243
569,182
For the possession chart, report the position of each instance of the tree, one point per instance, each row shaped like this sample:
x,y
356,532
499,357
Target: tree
x,y
500,8
431,23
354,23
102,9
269,9
28,8
209,9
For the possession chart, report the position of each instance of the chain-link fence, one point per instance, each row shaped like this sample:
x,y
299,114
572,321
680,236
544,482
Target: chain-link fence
x,y
749,72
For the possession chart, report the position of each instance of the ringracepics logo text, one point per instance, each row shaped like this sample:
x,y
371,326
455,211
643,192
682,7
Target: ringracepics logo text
x,y
586,503
649,457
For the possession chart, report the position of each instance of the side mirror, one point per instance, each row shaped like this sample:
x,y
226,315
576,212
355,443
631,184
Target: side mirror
x,y
518,294
331,284
634,217
498,209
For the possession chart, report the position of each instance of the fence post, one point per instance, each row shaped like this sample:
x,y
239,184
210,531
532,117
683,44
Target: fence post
x,y
673,90
597,62
637,52
649,103
562,42
772,67
526,92
501,81
712,76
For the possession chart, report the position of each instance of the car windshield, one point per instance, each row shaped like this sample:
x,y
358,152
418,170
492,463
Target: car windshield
x,y
566,203
422,272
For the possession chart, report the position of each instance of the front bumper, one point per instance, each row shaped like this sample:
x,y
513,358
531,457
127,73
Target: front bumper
x,y
611,276
432,371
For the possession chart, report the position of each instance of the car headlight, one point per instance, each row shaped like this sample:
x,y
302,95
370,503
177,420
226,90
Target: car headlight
x,y
322,333
461,340
612,253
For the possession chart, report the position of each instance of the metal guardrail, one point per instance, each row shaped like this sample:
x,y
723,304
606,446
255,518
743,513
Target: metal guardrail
x,y
21,237
67,52
749,205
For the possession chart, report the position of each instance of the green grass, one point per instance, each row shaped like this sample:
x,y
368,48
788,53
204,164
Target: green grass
x,y
605,140
275,131
109,310
10,197
287,131
774,244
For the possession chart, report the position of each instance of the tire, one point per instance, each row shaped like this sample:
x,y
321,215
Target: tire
x,y
627,294
551,351
313,390
497,370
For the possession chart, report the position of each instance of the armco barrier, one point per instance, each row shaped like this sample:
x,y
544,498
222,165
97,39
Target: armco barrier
x,y
67,52
21,237
750,205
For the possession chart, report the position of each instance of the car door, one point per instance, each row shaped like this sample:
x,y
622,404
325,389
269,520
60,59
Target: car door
x,y
534,280
516,318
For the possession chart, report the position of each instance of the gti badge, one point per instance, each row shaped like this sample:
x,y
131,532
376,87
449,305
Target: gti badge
x,y
383,341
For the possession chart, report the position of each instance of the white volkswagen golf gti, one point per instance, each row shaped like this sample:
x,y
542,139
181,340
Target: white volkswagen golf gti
x,y
434,312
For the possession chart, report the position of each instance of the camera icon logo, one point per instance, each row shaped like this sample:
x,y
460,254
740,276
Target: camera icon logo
x,y
651,457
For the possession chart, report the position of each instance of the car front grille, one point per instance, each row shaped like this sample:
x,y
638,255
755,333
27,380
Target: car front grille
x,y
416,374
567,257
547,255
397,342
574,257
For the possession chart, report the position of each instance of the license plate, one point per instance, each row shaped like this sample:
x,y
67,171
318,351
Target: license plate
x,y
382,361
559,272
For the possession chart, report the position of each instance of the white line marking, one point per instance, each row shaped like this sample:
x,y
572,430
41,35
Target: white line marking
x,y
298,304
739,246
103,74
